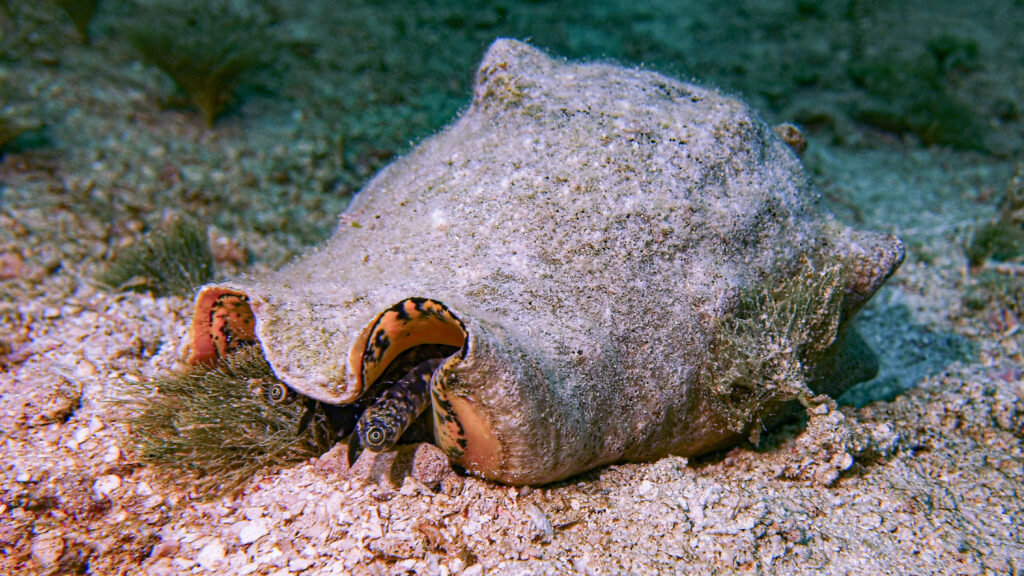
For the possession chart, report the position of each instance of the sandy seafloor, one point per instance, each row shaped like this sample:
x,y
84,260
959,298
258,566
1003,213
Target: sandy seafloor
x,y
927,479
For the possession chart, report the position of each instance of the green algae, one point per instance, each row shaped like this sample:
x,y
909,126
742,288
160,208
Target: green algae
x,y
762,353
172,260
217,424
206,48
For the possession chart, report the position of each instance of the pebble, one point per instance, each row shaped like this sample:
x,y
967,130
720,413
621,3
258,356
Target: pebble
x,y
144,489
106,485
85,369
211,556
81,435
310,551
746,522
540,521
430,465
997,565
252,531
95,425
870,521
46,550
165,549
112,455
845,461
294,510
254,512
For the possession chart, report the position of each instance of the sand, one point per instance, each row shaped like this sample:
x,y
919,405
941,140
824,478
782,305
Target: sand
x,y
918,471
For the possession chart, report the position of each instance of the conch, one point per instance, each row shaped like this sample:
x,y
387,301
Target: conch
x,y
614,266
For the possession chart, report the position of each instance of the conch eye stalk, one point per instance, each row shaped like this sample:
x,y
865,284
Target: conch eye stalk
x,y
592,264
384,422
281,394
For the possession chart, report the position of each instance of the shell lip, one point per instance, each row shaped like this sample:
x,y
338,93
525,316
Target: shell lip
x,y
226,317
222,321
410,322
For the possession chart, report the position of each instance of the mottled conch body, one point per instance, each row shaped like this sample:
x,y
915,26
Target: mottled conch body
x,y
578,233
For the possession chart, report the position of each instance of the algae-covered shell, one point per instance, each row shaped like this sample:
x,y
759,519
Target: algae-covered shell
x,y
582,234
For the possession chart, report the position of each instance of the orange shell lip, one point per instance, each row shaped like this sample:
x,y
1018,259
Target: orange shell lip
x,y
222,322
411,322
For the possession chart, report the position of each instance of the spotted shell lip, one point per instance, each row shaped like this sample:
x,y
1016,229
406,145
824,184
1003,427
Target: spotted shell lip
x,y
223,320
412,322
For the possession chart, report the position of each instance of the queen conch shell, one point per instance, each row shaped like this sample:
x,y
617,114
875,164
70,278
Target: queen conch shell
x,y
587,236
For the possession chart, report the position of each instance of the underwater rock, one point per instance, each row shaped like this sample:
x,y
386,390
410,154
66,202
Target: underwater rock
x,y
625,266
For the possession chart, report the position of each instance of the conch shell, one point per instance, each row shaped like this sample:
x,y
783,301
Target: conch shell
x,y
602,246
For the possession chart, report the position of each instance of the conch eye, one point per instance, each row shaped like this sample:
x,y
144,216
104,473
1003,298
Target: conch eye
x,y
376,438
281,394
